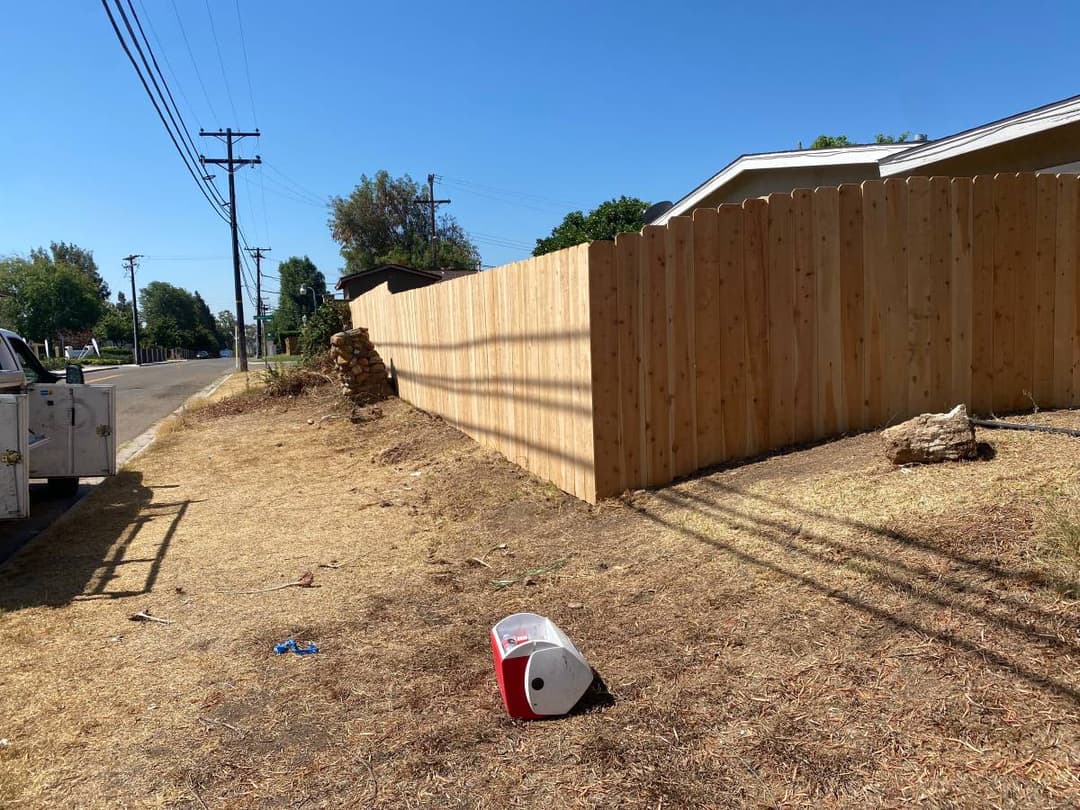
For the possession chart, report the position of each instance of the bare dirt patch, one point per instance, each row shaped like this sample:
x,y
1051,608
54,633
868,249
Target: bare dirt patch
x,y
815,629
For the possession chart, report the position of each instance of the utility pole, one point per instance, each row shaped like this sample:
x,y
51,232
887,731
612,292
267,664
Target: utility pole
x,y
258,254
134,307
432,202
231,164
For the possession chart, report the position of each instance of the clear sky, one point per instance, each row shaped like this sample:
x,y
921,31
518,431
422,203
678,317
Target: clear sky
x,y
528,110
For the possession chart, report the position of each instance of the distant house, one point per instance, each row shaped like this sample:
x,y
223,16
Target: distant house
x,y
1043,139
397,277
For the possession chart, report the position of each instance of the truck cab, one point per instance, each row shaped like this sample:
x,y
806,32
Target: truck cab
x,y
51,427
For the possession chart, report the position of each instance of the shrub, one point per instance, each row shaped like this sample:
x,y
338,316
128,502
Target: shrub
x,y
329,319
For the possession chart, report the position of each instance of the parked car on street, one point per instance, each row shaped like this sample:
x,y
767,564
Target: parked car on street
x,y
202,354
226,353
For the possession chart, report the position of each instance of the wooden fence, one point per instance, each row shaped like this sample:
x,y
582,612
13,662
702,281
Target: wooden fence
x,y
504,356
752,327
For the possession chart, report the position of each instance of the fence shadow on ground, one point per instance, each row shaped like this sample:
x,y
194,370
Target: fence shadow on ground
x,y
887,575
85,555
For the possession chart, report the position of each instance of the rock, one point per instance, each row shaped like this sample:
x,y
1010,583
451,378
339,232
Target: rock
x,y
931,437
359,367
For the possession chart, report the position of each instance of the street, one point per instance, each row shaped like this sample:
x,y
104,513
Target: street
x,y
144,396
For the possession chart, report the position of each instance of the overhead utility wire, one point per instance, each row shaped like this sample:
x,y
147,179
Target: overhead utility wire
x,y
149,93
247,66
180,127
299,186
165,59
194,63
221,61
504,191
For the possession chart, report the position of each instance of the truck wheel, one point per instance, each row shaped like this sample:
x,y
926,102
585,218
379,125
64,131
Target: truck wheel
x,y
63,487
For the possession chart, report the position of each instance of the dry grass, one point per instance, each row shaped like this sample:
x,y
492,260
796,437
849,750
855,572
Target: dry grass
x,y
816,629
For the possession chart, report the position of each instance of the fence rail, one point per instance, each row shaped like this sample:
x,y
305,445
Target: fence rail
x,y
752,327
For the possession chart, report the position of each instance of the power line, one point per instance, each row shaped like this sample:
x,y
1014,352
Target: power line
x,y
221,61
506,192
299,186
157,109
247,67
194,63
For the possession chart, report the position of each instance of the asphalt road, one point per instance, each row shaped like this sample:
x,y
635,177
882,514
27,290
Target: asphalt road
x,y
144,396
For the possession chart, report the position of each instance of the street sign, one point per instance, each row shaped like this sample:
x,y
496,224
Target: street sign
x,y
263,317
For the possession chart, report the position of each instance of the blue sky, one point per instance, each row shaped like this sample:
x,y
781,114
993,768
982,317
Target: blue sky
x,y
527,110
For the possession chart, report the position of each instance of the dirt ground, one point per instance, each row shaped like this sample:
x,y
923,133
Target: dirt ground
x,y
815,629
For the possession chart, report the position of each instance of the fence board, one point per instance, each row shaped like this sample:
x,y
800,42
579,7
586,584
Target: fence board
x,y
1006,247
1024,270
780,287
830,352
851,305
707,338
805,396
919,296
681,372
1045,282
940,304
756,268
982,295
875,264
631,368
1066,244
657,400
961,287
733,338
603,316
894,295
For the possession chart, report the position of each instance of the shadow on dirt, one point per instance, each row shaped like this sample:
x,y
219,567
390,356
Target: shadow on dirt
x,y
84,555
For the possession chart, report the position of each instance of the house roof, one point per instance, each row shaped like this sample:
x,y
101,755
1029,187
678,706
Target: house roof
x,y
429,274
1032,122
794,158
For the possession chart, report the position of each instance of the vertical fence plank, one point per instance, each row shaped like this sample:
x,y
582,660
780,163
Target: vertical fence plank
x,y
707,338
982,294
919,367
1041,328
894,295
1006,249
1067,244
805,398
631,391
603,320
1025,269
940,304
830,352
657,401
961,288
586,451
756,268
875,263
733,337
781,305
681,372
851,306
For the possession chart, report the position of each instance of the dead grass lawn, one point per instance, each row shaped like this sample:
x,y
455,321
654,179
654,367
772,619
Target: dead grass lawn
x,y
812,630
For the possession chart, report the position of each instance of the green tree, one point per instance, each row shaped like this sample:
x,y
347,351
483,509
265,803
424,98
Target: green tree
x,y
176,319
226,325
381,222
830,142
47,300
613,217
331,318
78,258
293,305
115,324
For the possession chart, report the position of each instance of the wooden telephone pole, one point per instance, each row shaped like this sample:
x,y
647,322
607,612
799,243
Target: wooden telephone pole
x,y
130,266
432,202
258,253
231,164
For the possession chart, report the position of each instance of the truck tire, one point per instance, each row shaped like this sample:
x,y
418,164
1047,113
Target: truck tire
x,y
63,487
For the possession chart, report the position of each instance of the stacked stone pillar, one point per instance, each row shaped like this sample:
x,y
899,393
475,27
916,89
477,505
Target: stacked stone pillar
x,y
361,370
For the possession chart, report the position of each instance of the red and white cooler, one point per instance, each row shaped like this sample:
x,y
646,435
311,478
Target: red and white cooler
x,y
540,671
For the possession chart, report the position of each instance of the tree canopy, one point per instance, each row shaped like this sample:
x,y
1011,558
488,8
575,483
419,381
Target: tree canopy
x,y
176,318
77,258
115,324
293,305
605,221
45,299
381,222
834,141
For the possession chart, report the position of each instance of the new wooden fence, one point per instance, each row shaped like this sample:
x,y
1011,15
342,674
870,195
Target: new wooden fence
x,y
756,326
504,356
752,327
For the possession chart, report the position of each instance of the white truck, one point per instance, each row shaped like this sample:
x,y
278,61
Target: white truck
x,y
56,428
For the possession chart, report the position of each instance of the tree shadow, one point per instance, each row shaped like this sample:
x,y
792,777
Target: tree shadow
x,y
85,554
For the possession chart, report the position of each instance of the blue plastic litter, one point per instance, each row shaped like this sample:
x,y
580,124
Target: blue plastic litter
x,y
290,644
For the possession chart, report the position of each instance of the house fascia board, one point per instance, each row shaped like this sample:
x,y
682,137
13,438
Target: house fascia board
x,y
1031,122
840,156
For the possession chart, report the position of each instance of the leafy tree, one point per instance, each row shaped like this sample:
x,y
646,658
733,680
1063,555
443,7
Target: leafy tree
x,y
115,324
78,258
175,318
206,329
830,142
381,222
44,299
293,305
605,221
903,137
226,325
331,318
